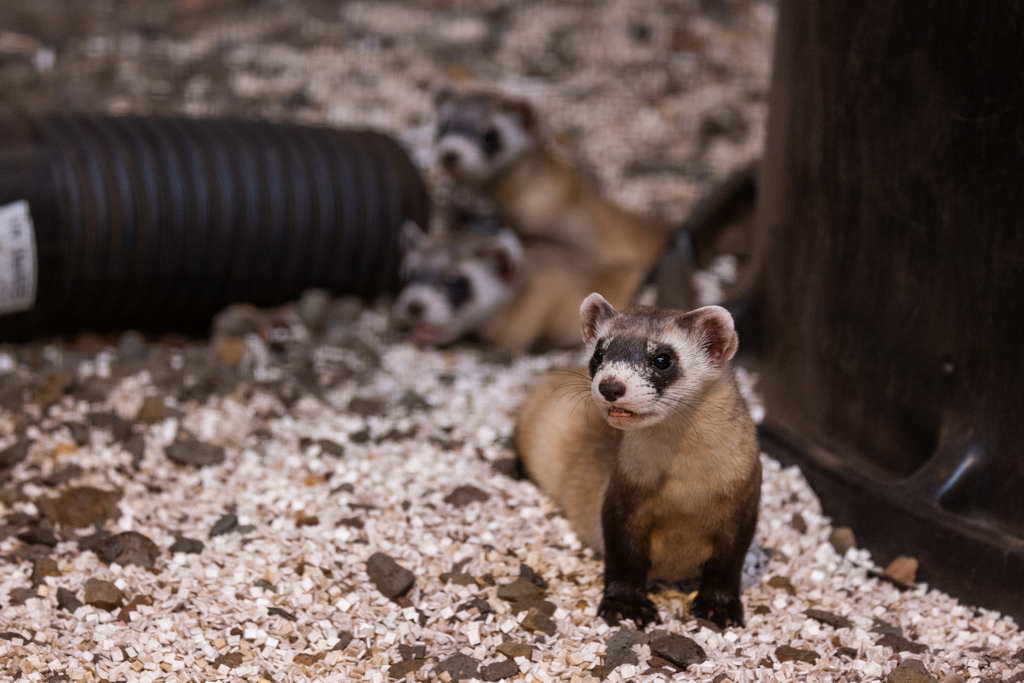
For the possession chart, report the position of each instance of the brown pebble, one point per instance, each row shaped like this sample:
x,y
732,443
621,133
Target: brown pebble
x,y
366,407
902,569
308,659
81,507
787,653
43,567
191,451
125,614
499,671
103,594
459,666
231,660
782,582
127,548
798,523
513,650
910,671
538,622
390,578
464,495
901,644
842,539
19,596
679,650
833,620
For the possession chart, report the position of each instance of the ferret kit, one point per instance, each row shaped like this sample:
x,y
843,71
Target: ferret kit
x,y
652,454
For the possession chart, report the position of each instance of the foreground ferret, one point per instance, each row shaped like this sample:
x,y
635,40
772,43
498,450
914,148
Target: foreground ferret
x,y
660,469
514,296
494,144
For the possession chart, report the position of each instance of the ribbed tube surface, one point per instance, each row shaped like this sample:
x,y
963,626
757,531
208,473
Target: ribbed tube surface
x,y
158,223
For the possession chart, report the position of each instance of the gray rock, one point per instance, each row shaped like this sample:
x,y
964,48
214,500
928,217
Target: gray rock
x,y
901,644
910,671
366,407
66,599
119,428
408,652
127,548
833,620
103,594
788,653
679,650
194,453
464,495
135,445
412,401
38,535
538,622
190,546
390,578
224,525
12,455
499,671
619,650
332,448
131,347
80,432
154,409
520,589
80,507
527,572
399,670
459,666
63,475
19,596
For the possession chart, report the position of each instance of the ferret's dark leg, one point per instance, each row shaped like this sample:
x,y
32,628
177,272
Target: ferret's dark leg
x,y
627,560
718,599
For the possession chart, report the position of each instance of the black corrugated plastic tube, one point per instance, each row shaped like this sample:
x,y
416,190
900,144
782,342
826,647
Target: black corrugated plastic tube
x,y
156,223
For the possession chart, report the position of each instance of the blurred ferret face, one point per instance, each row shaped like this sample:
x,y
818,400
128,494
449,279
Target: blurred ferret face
x,y
479,135
454,283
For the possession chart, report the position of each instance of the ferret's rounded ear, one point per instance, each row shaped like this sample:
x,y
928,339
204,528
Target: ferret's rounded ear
x,y
713,326
410,237
524,113
595,311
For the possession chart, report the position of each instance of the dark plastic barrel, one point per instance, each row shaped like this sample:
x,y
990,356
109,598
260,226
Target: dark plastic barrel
x,y
157,223
892,300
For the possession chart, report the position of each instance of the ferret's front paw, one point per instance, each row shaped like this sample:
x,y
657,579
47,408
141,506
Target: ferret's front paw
x,y
722,609
627,606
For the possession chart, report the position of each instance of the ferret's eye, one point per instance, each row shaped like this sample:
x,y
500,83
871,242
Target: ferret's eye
x,y
662,361
598,355
458,289
491,142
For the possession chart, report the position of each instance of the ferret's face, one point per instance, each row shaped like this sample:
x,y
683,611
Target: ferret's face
x,y
648,365
454,284
479,135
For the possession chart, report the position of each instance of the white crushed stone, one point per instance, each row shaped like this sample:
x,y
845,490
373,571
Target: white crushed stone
x,y
208,605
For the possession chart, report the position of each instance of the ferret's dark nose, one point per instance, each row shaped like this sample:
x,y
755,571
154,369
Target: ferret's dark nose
x,y
450,159
415,309
612,391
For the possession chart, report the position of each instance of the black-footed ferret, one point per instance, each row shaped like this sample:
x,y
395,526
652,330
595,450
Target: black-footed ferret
x,y
660,469
494,144
519,297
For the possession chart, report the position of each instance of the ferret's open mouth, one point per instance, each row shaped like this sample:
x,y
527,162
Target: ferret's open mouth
x,y
427,334
620,412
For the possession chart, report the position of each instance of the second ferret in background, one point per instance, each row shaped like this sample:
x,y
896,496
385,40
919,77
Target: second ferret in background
x,y
516,296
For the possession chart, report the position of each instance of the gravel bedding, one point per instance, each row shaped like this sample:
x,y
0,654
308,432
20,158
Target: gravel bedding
x,y
219,502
